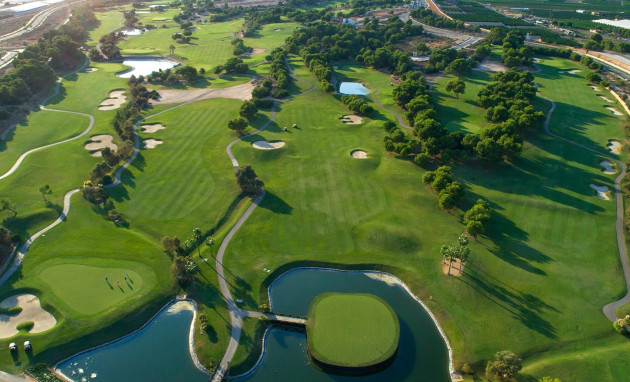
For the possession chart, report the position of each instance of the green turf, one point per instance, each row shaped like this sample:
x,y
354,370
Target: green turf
x,y
351,330
85,289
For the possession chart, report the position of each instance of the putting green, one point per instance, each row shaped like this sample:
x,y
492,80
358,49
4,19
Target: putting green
x,y
84,288
347,330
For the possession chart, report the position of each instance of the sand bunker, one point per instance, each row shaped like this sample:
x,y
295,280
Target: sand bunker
x,y
115,100
596,88
277,30
264,145
561,72
457,267
351,119
613,110
98,143
601,191
152,128
359,154
31,311
614,146
606,99
608,167
151,143
574,71
90,70
491,66
242,92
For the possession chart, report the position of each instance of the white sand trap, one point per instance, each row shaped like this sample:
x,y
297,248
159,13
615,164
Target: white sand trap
x,y
264,145
608,167
596,88
152,128
601,191
614,146
115,100
31,311
613,110
98,143
536,59
351,119
359,154
90,70
242,92
277,30
151,143
574,71
491,66
606,99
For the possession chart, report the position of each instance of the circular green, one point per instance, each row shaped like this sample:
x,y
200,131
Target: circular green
x,y
348,330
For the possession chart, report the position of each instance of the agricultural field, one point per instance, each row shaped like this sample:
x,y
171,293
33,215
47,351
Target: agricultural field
x,y
334,197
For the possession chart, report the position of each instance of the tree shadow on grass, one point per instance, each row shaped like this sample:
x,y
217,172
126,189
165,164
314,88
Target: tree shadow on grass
x,y
140,162
275,204
526,308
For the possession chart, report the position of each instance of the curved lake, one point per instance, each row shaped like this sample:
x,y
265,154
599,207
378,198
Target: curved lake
x,y
144,67
158,352
422,353
353,88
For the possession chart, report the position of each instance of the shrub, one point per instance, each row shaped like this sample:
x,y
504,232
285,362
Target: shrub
x,y
422,159
25,326
264,103
279,93
12,311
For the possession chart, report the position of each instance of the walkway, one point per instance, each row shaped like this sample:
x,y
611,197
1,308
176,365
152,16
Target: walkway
x,y
609,309
291,320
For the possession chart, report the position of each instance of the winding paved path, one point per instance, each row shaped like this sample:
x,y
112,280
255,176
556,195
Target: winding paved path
x,y
609,309
400,119
43,107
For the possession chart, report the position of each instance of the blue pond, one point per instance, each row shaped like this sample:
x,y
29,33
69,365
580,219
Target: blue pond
x,y
353,88
158,352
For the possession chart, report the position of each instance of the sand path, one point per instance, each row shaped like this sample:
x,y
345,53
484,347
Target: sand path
x,y
242,92
31,311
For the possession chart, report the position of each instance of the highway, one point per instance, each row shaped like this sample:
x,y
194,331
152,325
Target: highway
x,y
34,23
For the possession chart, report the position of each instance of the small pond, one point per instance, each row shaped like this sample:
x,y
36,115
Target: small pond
x,y
144,67
132,32
422,352
353,88
158,352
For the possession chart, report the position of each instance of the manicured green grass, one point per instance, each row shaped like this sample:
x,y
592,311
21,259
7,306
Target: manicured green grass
x,y
109,21
85,289
351,330
539,263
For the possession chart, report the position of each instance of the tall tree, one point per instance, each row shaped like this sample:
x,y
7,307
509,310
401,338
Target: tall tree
x,y
457,86
6,205
210,243
197,236
45,190
505,367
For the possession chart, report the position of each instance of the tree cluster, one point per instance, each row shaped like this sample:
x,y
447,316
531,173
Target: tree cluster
x,y
232,65
457,251
477,218
184,73
248,181
109,47
441,181
240,48
515,53
505,367
357,104
280,72
426,16
440,59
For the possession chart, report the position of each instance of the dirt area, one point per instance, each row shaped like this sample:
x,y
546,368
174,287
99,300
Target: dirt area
x,y
116,99
255,52
152,128
151,143
351,119
608,167
613,110
491,66
457,267
242,92
602,191
264,145
614,146
359,154
31,311
99,142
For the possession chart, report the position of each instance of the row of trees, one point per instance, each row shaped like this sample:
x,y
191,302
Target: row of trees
x,y
280,72
357,104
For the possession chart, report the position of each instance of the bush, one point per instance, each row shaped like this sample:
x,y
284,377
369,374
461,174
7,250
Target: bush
x,y
107,180
279,93
422,159
264,103
12,311
25,326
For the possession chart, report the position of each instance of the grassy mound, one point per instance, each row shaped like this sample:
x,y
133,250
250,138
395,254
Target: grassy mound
x,y
25,326
12,311
348,331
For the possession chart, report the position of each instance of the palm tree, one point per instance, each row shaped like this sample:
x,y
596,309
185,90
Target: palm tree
x,y
448,254
45,190
171,49
197,236
210,243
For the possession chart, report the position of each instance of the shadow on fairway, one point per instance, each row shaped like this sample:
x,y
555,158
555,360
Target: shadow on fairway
x,y
526,308
275,204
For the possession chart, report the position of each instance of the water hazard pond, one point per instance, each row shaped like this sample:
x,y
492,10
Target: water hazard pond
x,y
353,88
422,352
144,67
158,352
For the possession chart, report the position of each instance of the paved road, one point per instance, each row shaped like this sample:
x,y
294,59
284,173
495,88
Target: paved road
x,y
34,23
8,58
609,309
400,119
43,107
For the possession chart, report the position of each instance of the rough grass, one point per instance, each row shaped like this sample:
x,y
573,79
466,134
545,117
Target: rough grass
x,y
351,330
